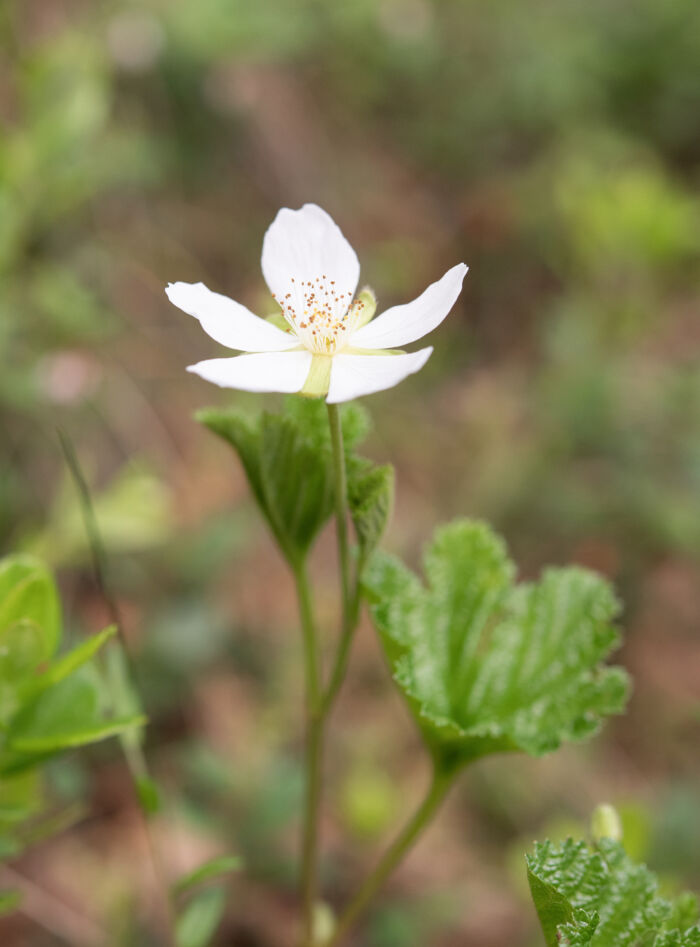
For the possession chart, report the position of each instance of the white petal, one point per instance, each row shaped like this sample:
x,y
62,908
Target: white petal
x,y
307,245
264,371
355,375
227,321
404,324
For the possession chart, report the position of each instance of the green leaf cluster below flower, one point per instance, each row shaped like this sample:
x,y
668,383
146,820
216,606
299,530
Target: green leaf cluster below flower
x,y
287,459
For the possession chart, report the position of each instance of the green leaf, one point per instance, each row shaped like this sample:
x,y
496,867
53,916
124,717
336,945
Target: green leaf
x,y
599,897
20,797
28,595
198,922
21,649
65,666
552,907
69,714
688,938
371,500
214,868
287,461
488,666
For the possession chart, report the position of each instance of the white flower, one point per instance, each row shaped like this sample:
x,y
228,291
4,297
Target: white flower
x,y
329,346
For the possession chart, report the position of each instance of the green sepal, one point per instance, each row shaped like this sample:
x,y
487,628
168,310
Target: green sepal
x,y
278,321
364,307
490,666
319,377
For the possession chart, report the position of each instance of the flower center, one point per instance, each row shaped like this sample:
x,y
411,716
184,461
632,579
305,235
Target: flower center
x,y
321,317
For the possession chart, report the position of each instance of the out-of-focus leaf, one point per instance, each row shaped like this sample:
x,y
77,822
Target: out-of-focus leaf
x,y
22,647
28,595
65,666
599,897
132,514
488,666
20,797
68,714
9,901
214,868
198,921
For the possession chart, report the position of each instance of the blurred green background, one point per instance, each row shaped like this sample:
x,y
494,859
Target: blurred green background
x,y
555,148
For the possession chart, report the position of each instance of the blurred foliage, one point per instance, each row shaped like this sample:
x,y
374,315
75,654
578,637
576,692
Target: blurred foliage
x,y
555,147
49,704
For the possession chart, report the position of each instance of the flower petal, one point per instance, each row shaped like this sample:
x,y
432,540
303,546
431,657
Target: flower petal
x,y
264,371
307,245
404,324
355,375
227,321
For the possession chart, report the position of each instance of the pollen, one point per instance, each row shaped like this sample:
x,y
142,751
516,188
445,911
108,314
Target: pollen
x,y
322,317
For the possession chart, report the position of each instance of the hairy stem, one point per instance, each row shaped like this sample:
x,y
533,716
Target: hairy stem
x,y
394,855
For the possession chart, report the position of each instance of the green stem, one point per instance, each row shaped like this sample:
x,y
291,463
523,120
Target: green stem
x,y
441,782
319,702
341,507
349,588
309,866
308,628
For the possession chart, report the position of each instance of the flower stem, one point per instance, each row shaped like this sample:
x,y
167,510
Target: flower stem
x,y
314,741
341,509
308,628
350,590
319,702
441,782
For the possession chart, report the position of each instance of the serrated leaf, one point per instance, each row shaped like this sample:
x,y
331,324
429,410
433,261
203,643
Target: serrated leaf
x,y
552,907
199,920
489,666
214,868
610,899
371,499
688,938
288,463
